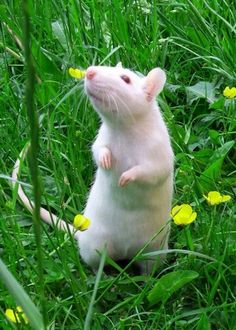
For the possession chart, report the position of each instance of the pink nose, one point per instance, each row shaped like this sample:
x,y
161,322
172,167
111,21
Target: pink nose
x,y
90,73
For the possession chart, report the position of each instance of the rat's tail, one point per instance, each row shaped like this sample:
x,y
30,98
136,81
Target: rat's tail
x,y
46,216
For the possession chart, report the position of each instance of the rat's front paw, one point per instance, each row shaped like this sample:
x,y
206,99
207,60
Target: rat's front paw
x,y
105,158
127,177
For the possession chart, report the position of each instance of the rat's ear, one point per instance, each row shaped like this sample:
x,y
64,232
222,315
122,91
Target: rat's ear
x,y
119,65
154,83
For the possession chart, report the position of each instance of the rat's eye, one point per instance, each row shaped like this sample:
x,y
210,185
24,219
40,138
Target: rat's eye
x,y
126,79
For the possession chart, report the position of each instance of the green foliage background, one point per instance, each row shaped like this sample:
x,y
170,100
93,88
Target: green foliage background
x,y
194,41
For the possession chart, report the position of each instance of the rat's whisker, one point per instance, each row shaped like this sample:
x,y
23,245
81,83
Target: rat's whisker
x,y
116,110
130,113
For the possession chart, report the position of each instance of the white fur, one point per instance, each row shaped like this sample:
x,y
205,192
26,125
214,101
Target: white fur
x,y
130,199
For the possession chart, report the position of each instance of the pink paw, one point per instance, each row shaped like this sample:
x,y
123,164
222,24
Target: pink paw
x,y
105,158
126,177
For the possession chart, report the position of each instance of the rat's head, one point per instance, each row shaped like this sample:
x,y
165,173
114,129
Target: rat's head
x,y
121,93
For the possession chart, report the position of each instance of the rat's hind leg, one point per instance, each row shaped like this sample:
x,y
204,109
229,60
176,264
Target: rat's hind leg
x,y
148,265
91,247
152,263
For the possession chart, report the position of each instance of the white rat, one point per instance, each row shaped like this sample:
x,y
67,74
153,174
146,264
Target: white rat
x,y
130,199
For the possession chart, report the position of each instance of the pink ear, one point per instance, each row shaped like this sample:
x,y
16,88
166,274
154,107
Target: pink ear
x,y
154,83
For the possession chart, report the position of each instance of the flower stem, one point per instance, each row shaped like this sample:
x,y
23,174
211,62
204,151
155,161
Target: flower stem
x,y
213,215
188,238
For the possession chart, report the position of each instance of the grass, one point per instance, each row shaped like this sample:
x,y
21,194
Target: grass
x,y
193,41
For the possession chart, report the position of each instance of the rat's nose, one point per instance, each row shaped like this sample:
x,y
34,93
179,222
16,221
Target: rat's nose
x,y
90,73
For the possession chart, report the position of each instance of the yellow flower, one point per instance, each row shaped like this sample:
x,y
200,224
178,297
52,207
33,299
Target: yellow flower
x,y
76,73
215,198
183,214
229,92
16,316
81,222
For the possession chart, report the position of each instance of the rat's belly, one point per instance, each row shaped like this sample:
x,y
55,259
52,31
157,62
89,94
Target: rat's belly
x,y
124,219
107,201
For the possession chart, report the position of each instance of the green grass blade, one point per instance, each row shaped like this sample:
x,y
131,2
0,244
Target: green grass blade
x,y
34,147
21,297
92,301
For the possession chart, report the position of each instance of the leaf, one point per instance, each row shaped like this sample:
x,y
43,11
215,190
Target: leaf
x,y
203,155
172,88
170,283
221,152
211,175
214,135
218,104
59,33
202,89
21,297
203,323
212,172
